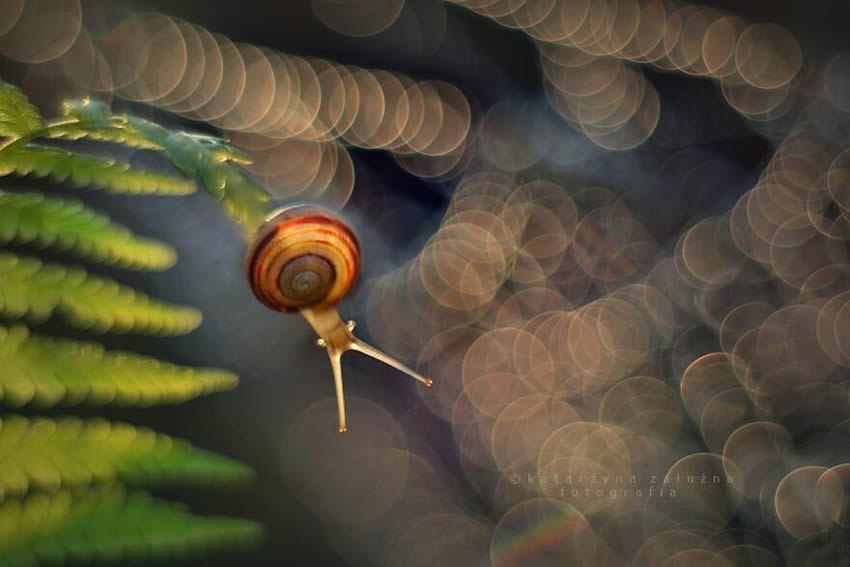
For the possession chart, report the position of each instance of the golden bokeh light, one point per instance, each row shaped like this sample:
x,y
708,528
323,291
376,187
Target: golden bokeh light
x,y
767,56
835,83
357,18
756,63
211,73
85,66
570,334
57,24
160,61
832,496
270,101
795,503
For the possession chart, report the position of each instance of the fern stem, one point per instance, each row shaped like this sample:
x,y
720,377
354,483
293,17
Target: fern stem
x,y
45,132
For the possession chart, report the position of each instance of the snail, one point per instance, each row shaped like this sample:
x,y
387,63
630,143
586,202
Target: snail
x,y
304,258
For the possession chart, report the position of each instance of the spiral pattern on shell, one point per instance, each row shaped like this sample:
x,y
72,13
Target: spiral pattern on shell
x,y
302,256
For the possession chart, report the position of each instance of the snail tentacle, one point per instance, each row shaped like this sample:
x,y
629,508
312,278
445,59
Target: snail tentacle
x,y
336,366
371,351
338,339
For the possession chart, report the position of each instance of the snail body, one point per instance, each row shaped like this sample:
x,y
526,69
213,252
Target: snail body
x,y
305,258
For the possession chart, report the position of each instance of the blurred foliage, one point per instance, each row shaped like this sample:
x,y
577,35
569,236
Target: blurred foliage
x,y
35,289
45,371
107,525
18,118
69,225
62,495
211,160
43,454
83,170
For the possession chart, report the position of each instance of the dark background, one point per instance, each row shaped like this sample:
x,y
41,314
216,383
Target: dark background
x,y
281,372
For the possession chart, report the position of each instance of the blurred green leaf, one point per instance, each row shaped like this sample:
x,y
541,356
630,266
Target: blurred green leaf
x,y
60,501
107,525
68,225
46,372
18,117
123,136
45,454
29,287
82,170
88,112
93,119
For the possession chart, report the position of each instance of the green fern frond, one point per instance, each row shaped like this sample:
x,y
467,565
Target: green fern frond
x,y
198,156
18,117
209,160
89,113
82,170
60,496
87,118
218,149
123,136
109,526
47,371
67,224
92,118
43,454
29,287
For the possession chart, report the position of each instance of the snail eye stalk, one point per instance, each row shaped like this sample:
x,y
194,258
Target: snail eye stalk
x,y
337,338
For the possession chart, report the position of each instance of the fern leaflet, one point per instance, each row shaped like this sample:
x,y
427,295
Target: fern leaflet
x,y
61,495
44,454
29,287
18,117
82,170
68,225
123,136
47,371
107,525
204,157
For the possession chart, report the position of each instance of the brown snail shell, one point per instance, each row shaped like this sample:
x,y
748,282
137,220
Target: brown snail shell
x,y
302,256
